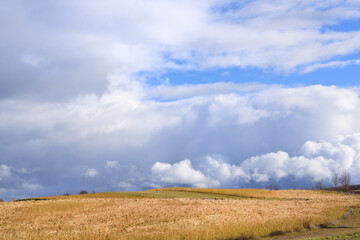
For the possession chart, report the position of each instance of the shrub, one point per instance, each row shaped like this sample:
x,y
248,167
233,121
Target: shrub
x,y
83,192
2,200
328,224
272,186
277,233
67,194
242,237
319,184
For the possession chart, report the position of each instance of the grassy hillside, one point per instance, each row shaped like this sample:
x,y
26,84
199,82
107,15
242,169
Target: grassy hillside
x,y
172,213
158,193
204,193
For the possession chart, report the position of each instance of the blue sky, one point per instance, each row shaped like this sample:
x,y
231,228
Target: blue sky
x,y
132,95
347,75
339,76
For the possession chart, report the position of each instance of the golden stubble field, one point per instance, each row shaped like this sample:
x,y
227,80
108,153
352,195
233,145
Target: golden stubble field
x,y
170,218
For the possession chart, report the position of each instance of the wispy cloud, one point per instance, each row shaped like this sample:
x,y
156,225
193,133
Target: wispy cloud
x,y
331,64
84,42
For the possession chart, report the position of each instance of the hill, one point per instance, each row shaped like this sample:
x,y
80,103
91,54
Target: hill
x,y
172,213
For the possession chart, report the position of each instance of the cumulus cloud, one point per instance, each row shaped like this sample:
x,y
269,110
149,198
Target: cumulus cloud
x,y
316,159
217,168
181,173
90,172
75,92
248,127
319,160
111,164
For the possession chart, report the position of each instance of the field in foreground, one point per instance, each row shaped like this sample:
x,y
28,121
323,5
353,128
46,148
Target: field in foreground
x,y
176,213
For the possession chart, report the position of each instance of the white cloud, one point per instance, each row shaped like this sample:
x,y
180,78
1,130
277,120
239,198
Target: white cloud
x,y
316,66
280,165
93,41
317,160
181,173
5,171
90,172
219,169
249,126
103,113
111,164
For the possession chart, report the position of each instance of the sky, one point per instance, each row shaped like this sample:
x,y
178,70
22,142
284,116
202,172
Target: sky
x,y
132,95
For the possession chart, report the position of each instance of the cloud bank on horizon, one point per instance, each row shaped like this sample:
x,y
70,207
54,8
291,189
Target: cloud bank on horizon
x,y
78,110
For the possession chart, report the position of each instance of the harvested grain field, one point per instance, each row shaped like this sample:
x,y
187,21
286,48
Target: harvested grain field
x,y
170,218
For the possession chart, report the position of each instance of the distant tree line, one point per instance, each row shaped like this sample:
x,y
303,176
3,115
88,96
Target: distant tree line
x,y
271,186
343,180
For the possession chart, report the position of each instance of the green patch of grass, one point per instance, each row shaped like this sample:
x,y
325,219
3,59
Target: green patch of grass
x,y
351,235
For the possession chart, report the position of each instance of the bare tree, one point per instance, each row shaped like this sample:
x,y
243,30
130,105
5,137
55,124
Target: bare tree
x,y
345,179
335,179
319,184
272,186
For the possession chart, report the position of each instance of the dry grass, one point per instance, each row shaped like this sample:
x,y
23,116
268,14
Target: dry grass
x,y
164,218
254,193
162,193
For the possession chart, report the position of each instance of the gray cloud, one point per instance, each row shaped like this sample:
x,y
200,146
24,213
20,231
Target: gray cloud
x,y
113,142
77,113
